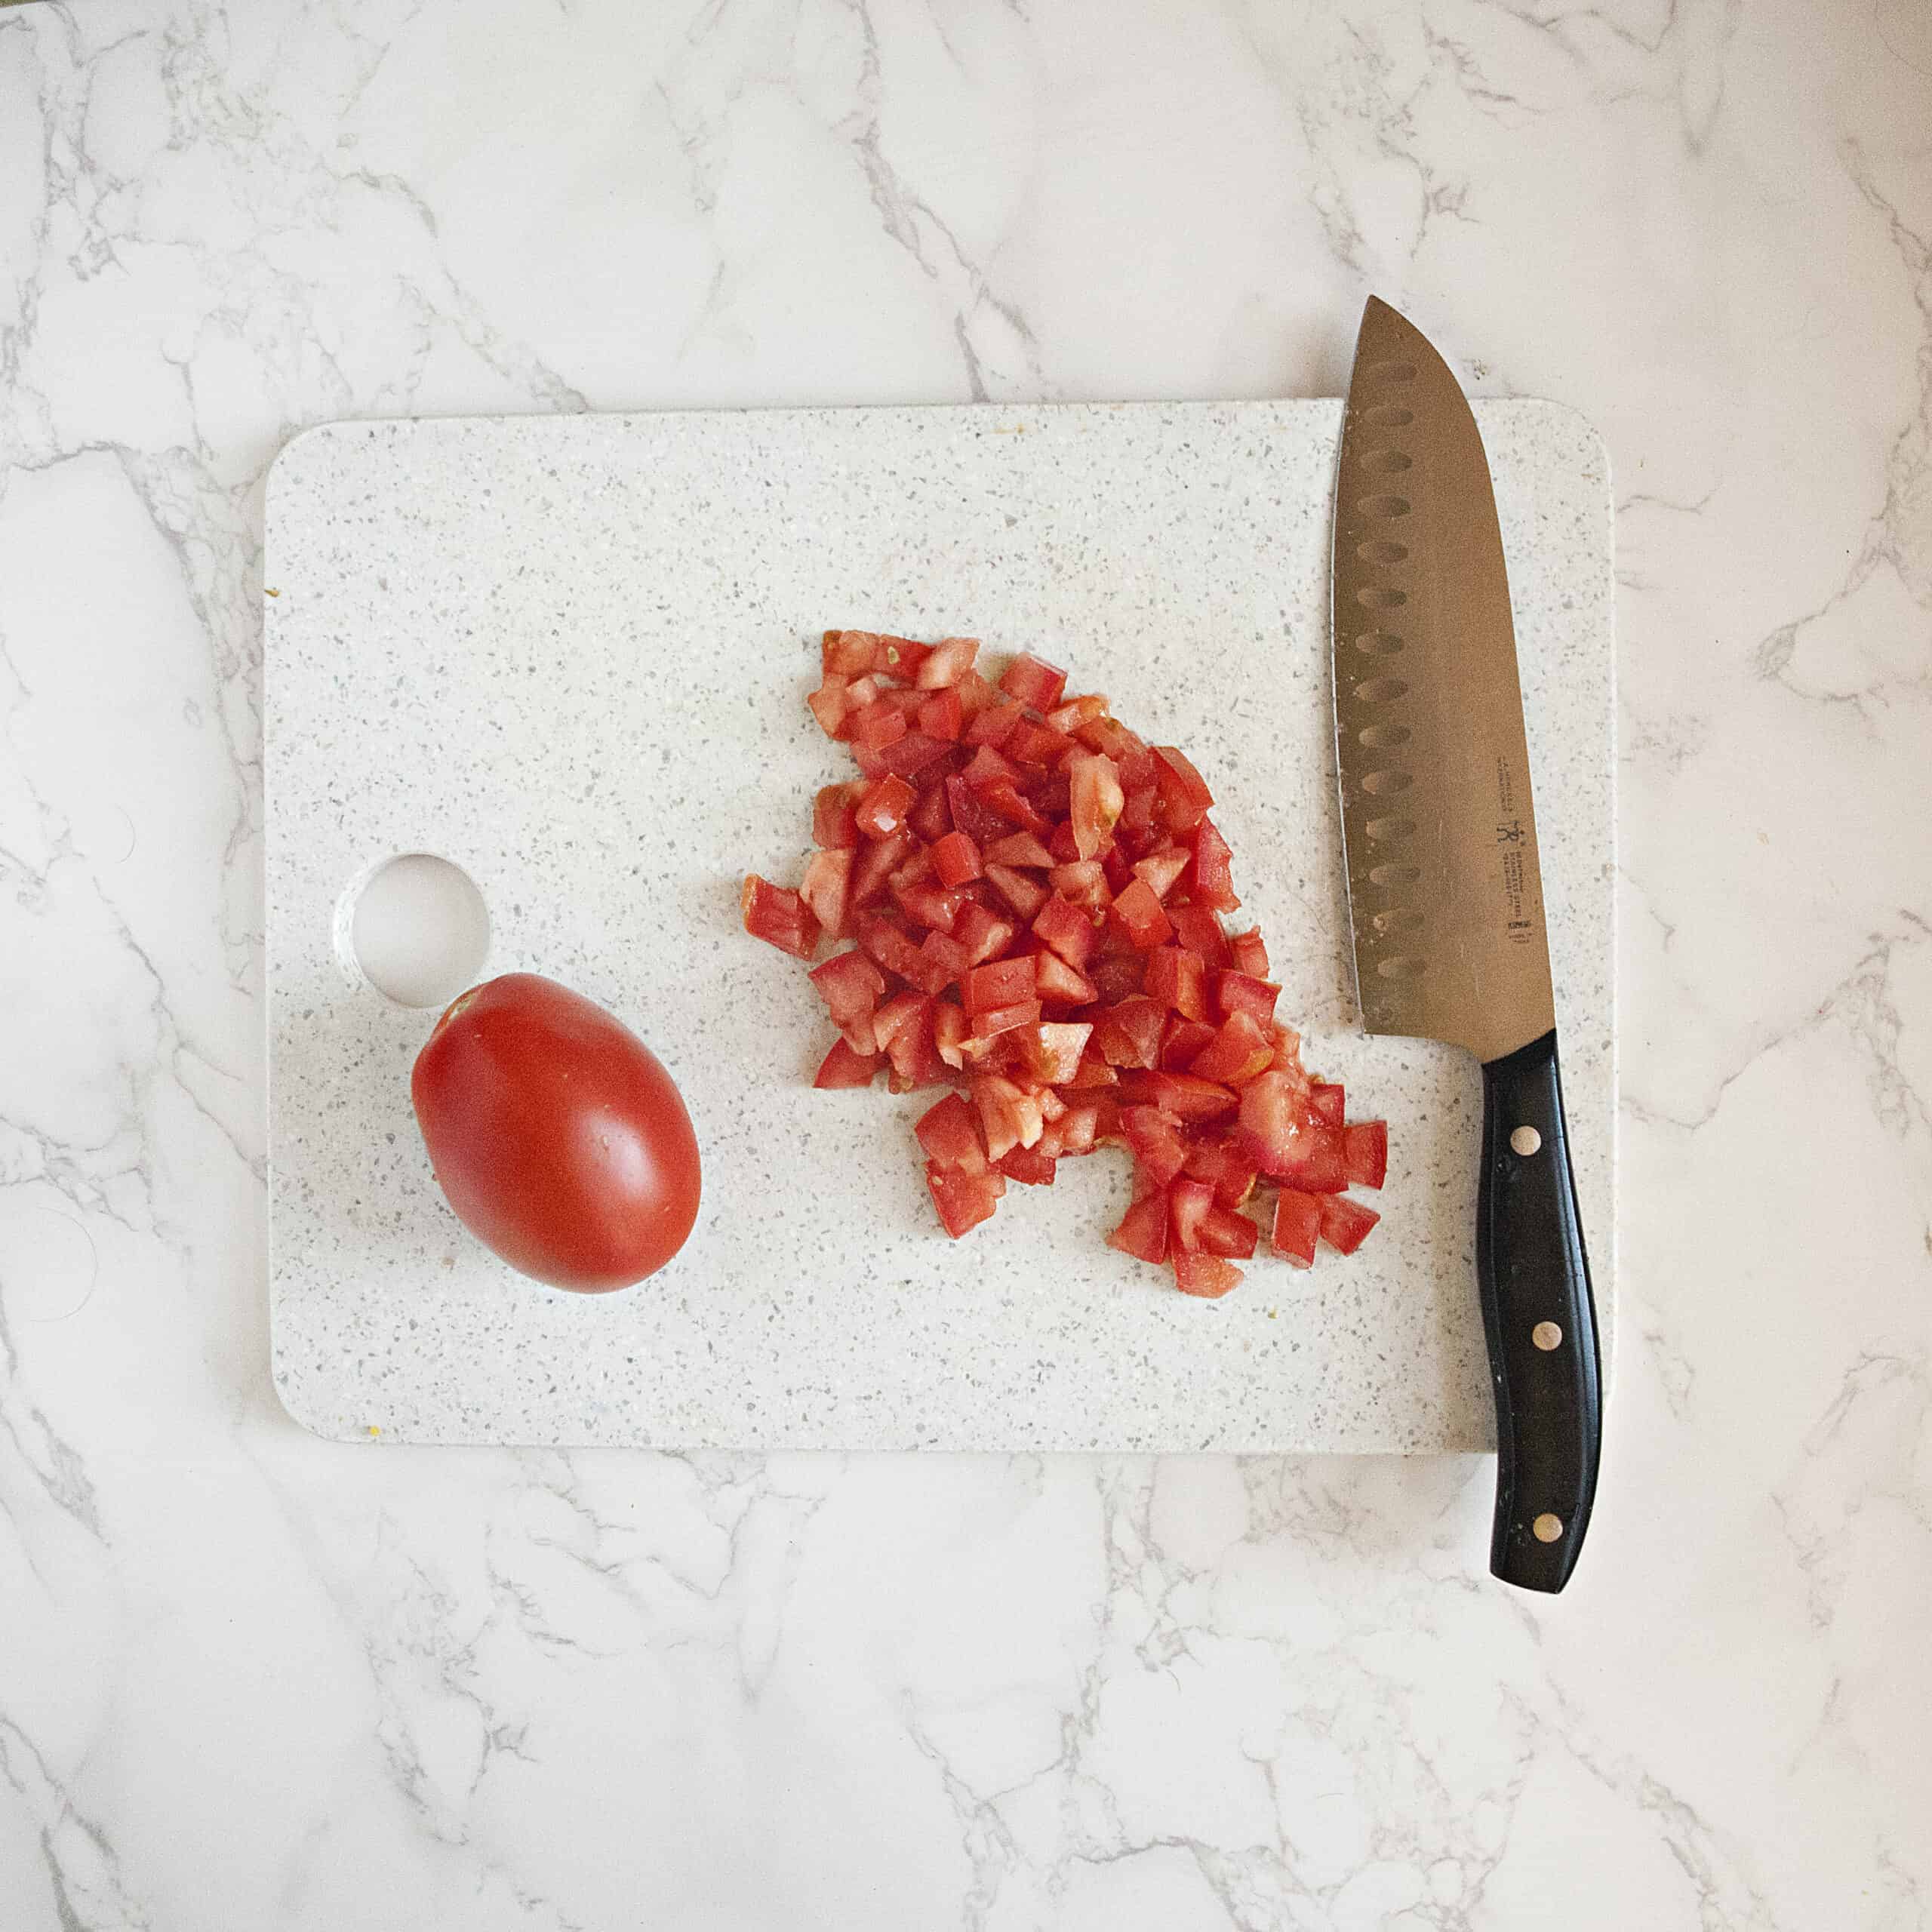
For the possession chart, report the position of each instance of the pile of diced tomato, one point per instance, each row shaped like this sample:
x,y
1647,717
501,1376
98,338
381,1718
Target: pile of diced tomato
x,y
1036,898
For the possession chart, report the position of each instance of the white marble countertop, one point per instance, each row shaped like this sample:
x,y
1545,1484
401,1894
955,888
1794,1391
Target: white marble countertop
x,y
252,1680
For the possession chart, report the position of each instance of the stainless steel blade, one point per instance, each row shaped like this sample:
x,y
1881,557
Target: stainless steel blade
x,y
1445,894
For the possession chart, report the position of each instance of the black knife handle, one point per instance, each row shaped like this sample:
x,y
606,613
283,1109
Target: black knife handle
x,y
1540,1322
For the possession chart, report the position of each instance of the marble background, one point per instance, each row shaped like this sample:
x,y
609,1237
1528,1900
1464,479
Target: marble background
x,y
251,1679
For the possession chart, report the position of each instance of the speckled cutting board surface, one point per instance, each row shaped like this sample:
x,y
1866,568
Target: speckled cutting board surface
x,y
571,655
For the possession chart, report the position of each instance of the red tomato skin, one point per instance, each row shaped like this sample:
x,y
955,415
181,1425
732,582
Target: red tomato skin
x,y
556,1135
1365,1152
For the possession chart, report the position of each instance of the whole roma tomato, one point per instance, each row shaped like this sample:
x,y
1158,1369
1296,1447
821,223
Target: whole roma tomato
x,y
557,1135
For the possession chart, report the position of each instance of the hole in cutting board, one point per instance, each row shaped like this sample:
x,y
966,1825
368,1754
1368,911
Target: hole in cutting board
x,y
420,930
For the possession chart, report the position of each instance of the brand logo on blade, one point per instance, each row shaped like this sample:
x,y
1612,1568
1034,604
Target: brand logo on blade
x,y
1511,838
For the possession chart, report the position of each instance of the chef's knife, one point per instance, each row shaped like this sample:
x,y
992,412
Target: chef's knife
x,y
1445,897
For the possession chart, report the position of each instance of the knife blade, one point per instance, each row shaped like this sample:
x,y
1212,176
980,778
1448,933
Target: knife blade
x,y
1445,896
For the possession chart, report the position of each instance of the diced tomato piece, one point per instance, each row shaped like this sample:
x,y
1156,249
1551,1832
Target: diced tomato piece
x,y
1076,711
1093,1071
1056,981
1239,1052
1184,793
1036,744
1019,848
1175,977
852,987
1142,1232
1287,1048
1365,1152
964,1201
969,815
1210,882
890,946
878,860
932,817
1002,796
1183,1095
1161,868
831,704
1189,1200
1028,1164
1128,1033
777,916
1033,681
1249,952
848,653
916,869
984,934
999,982
842,1067
1156,1142
902,1011
1136,832
900,656
1239,992
1082,883
949,1132
1140,913
1010,1116
993,725
956,859
1230,1171
975,694
1118,868
986,767
879,725
1118,977
1206,1275
1109,735
1097,800
1346,1223
942,960
1297,1222
1284,1142
935,907
947,663
1064,848
1025,895
1065,928
949,1031
882,810
909,756
1314,1162
1199,930
941,716
1272,1114
1051,1051
835,817
1074,1131
915,1058
827,889
1182,1044
1328,1103
991,1020
1224,1232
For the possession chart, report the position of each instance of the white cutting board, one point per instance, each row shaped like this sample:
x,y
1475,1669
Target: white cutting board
x,y
570,653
